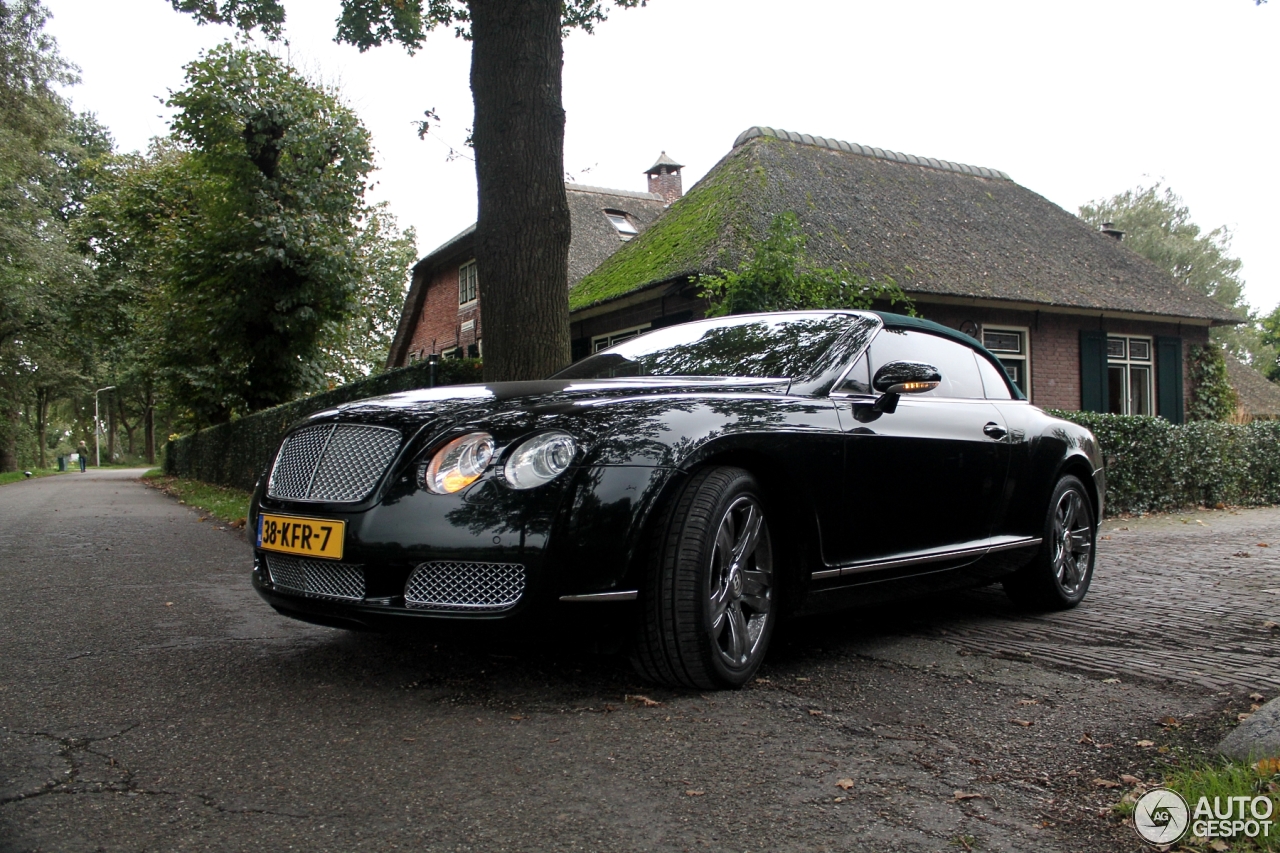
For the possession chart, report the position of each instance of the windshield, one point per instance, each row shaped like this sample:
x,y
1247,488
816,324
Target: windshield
x,y
758,346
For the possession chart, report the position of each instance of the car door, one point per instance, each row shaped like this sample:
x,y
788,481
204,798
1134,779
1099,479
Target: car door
x,y
921,484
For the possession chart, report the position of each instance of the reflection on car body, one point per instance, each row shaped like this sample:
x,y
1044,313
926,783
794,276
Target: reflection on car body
x,y
712,477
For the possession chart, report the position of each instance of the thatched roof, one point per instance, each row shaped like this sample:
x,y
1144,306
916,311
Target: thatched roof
x,y
940,229
1256,396
592,239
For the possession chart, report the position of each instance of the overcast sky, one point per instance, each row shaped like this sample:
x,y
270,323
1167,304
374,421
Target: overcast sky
x,y
1076,101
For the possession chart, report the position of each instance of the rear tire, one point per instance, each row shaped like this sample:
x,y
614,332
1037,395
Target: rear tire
x,y
1059,576
707,608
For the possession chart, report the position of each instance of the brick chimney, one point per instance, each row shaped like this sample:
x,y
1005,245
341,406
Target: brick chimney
x,y
664,178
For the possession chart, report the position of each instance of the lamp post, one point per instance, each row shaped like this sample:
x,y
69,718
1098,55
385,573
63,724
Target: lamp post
x,y
97,429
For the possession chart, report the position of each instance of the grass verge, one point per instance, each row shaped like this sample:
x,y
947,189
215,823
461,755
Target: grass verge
x,y
1223,779
14,476
223,503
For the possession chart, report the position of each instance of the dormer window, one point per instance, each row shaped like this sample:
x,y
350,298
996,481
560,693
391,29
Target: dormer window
x,y
622,223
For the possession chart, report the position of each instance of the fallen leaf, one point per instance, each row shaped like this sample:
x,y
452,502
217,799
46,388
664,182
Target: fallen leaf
x,y
1028,701
1218,845
1269,625
692,793
1023,723
1268,766
518,718
409,739
1242,554
1106,783
1257,697
168,604
962,795
239,522
844,784
1242,717
1146,743
839,799
1084,738
1107,536
1263,545
1110,681
1130,780
1219,505
201,518
801,678
645,701
814,712
1170,722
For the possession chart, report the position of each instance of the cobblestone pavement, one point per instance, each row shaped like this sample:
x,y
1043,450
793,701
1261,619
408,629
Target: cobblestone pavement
x,y
1191,597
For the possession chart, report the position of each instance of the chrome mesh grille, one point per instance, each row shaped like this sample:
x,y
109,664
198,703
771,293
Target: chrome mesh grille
x,y
316,578
332,462
465,586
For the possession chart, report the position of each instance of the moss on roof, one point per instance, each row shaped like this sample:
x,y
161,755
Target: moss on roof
x,y
936,231
698,233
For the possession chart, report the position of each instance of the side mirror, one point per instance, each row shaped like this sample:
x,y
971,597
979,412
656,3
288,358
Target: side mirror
x,y
892,381
906,377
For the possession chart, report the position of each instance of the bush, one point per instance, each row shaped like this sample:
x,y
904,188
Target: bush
x,y
236,453
1153,465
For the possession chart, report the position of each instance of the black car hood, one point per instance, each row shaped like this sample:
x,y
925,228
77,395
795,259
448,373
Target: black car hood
x,y
456,402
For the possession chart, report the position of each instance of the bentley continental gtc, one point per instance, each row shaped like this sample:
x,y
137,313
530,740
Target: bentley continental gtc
x,y
704,480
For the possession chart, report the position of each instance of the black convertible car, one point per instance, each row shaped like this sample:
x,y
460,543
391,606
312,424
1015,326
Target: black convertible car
x,y
716,475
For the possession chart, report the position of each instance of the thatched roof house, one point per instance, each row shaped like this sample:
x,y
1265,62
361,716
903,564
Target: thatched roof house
x,y
1256,396
1080,320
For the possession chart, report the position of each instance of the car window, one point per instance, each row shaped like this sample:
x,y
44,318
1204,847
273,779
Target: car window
x,y
751,345
992,380
954,360
858,380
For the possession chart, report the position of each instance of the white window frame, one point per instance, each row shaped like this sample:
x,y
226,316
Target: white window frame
x,y
599,342
468,285
625,233
1127,365
1003,355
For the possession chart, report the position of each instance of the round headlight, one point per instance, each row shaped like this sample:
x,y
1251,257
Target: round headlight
x,y
540,459
459,463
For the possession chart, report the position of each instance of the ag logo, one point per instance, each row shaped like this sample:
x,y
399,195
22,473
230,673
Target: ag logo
x,y
1161,816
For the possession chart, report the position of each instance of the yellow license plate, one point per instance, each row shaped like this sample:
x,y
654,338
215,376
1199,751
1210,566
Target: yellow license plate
x,y
307,537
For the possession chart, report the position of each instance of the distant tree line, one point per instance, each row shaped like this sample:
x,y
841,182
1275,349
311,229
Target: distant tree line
x,y
233,266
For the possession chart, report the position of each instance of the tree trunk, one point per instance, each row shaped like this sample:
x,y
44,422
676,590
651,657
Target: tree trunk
x,y
149,429
42,419
522,228
111,429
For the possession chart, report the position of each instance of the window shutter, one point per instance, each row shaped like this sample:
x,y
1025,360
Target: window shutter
x,y
1093,370
1169,379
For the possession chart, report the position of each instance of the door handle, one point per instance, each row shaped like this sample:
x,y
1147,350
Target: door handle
x,y
994,430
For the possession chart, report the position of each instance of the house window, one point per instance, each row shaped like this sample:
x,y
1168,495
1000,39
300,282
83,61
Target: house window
x,y
468,285
622,222
1012,345
451,352
1129,375
600,342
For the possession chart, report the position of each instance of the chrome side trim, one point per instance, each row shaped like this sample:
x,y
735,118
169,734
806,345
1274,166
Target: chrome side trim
x,y
987,546
624,595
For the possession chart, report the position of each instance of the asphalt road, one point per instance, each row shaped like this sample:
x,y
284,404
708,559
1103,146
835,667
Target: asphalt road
x,y
149,701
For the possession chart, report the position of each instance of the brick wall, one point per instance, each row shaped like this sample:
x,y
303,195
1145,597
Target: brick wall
x,y
1055,345
438,326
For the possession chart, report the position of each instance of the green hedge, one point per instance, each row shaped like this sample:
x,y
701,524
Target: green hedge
x,y
1153,465
235,454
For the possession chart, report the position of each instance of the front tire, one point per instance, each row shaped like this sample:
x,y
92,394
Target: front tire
x,y
707,608
1059,576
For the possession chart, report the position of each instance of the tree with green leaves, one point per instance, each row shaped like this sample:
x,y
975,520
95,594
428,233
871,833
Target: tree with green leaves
x,y
40,272
256,231
358,346
1157,225
522,228
777,275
